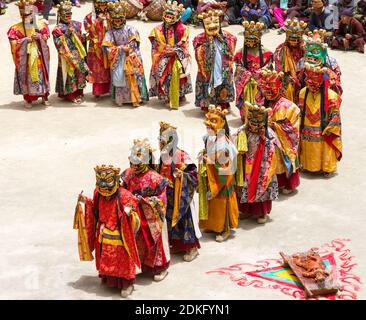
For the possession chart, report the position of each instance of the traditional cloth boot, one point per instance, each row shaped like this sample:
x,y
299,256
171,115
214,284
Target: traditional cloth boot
x,y
126,292
161,276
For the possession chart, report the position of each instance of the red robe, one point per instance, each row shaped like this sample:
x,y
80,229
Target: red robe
x,y
111,232
152,238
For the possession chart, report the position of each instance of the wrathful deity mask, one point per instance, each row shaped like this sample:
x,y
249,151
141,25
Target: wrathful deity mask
x,y
295,30
26,9
172,12
168,138
215,118
253,33
107,179
315,48
101,7
270,83
65,11
117,13
141,156
211,22
257,118
314,77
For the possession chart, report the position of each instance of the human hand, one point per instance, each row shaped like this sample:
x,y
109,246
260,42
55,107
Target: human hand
x,y
82,198
348,36
177,173
35,36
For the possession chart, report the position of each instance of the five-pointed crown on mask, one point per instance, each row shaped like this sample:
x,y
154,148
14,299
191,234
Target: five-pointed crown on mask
x,y
104,168
65,7
253,29
268,75
173,8
117,9
166,126
142,144
212,109
316,37
295,28
21,4
208,15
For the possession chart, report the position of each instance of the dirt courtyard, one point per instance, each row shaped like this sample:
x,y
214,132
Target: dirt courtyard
x,y
47,156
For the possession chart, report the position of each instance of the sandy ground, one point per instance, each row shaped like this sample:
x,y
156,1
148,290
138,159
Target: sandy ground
x,y
47,157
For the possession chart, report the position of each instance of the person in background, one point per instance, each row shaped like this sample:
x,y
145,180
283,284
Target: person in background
x,y
233,11
321,18
287,9
257,11
47,7
350,34
359,12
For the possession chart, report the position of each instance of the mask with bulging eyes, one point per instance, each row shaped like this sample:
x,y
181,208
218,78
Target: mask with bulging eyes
x,y
214,122
66,17
118,22
139,160
315,54
107,180
101,7
169,18
314,80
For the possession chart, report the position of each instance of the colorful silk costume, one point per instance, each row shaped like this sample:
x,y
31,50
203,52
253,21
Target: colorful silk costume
x,y
214,52
320,140
30,56
169,77
287,56
285,121
150,189
127,71
72,70
257,146
122,44
96,25
218,207
248,61
112,222
316,53
180,191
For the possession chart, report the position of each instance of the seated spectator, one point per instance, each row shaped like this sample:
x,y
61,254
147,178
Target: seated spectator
x,y
350,34
256,10
321,18
287,9
359,12
233,11
188,10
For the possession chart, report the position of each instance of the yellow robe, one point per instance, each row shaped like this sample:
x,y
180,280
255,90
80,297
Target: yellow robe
x,y
223,209
316,155
285,111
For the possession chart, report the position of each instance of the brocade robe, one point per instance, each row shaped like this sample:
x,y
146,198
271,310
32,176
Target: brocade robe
x,y
152,238
320,140
127,70
111,233
72,69
31,59
214,82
